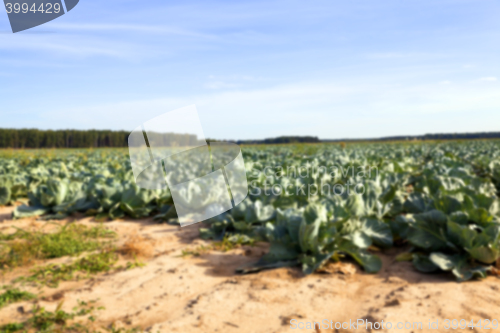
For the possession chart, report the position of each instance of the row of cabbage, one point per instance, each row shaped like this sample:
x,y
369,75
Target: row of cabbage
x,y
440,199
94,183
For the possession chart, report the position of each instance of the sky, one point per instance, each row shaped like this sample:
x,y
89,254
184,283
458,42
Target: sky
x,y
259,69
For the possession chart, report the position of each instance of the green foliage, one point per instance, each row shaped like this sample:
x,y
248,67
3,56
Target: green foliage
x,y
12,188
11,327
442,198
51,275
463,248
13,295
45,321
99,183
23,247
135,264
229,242
309,238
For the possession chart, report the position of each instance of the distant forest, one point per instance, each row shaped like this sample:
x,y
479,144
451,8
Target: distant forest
x,y
444,136
34,138
439,136
282,139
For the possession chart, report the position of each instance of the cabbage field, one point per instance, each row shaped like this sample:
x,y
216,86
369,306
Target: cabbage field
x,y
438,202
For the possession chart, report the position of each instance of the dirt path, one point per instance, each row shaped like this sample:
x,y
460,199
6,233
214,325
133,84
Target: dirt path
x,y
202,294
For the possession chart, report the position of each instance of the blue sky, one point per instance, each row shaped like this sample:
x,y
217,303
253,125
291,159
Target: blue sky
x,y
257,69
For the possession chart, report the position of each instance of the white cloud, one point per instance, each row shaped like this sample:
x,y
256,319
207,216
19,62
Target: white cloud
x,y
488,79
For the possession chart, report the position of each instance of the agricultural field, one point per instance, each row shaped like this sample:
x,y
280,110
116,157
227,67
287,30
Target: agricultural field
x,y
376,231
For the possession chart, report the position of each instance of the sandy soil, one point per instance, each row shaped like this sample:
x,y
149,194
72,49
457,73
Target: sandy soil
x,y
202,294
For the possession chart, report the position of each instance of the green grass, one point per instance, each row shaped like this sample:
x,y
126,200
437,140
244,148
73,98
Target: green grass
x,y
11,327
57,321
51,275
23,247
12,295
135,264
60,321
196,252
232,242
226,244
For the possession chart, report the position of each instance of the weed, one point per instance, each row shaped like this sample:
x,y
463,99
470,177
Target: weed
x,y
44,321
98,232
22,247
12,327
231,242
9,237
12,295
137,246
52,274
196,252
57,321
136,263
226,244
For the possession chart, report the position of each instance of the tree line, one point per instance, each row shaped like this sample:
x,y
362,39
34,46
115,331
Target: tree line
x,y
282,140
426,137
35,138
